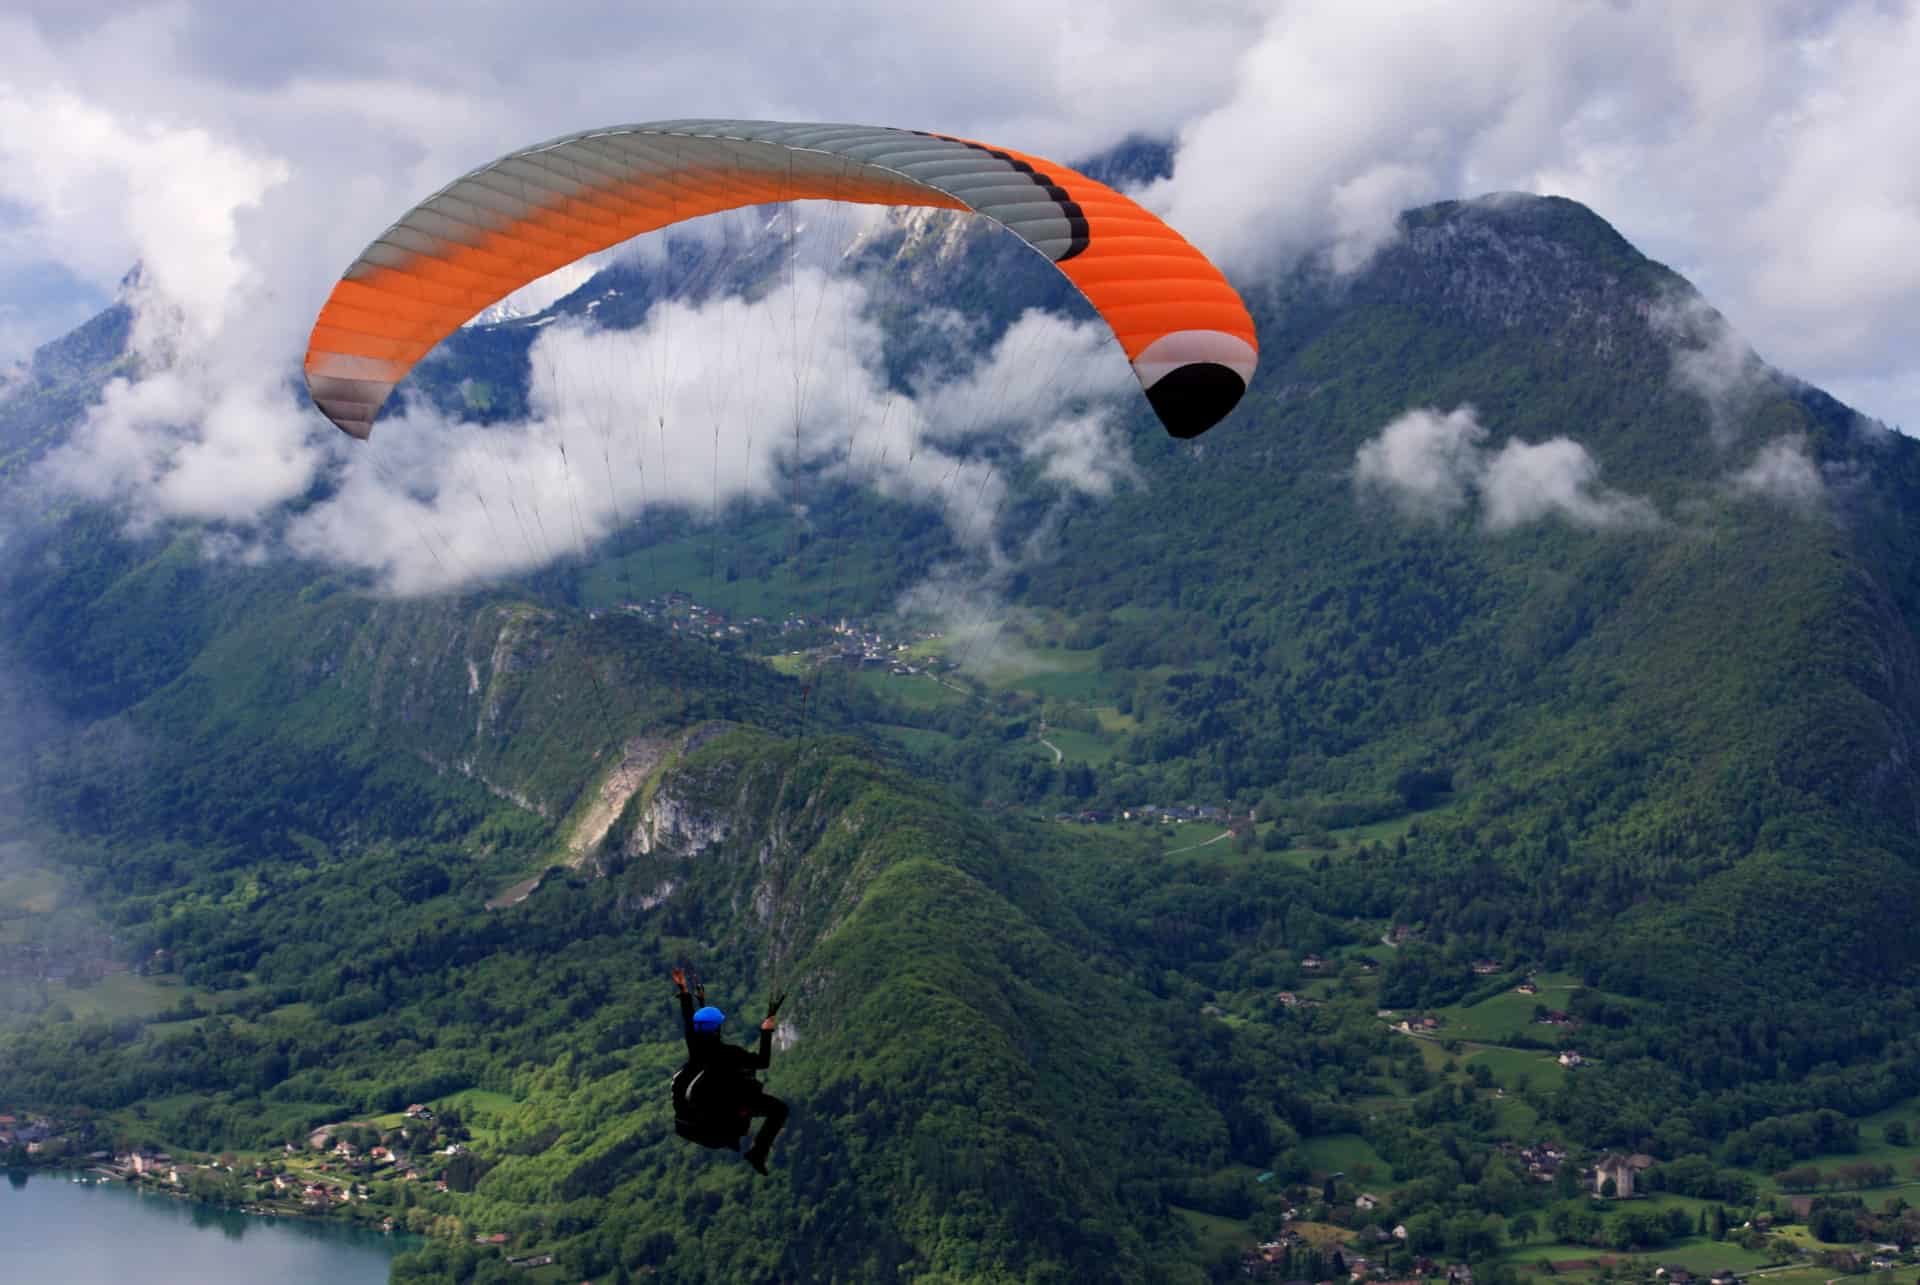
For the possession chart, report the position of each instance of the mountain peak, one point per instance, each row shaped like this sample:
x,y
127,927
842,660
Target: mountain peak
x,y
1510,261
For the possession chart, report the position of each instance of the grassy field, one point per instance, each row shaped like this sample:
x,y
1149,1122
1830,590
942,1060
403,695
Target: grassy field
x,y
28,890
1064,685
841,579
1194,835
1696,1254
1509,1066
1215,1233
915,740
482,1110
914,691
1498,1020
120,995
1516,1120
1322,1235
1081,747
1347,1153
1874,1148
1703,1255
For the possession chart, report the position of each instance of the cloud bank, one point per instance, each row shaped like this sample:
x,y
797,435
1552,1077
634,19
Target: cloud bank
x,y
243,154
1431,466
1760,149
1781,471
704,406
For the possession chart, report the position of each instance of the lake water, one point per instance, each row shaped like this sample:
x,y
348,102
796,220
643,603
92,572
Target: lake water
x,y
56,1230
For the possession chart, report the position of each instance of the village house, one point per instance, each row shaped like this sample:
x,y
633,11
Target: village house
x,y
1483,967
1542,1161
1570,1058
1618,1170
1313,963
1527,988
1366,1201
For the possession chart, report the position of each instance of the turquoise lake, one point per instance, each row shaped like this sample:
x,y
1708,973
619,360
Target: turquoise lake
x,y
54,1229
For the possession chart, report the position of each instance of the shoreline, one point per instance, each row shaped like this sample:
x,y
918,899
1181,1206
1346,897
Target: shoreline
x,y
104,1175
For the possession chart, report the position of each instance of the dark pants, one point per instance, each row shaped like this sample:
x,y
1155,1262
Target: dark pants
x,y
765,1104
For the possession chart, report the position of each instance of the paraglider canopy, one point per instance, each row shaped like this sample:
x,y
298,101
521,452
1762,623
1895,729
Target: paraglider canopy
x,y
1182,326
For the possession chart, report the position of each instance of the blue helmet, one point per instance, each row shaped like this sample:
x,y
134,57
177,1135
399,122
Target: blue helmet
x,y
708,1019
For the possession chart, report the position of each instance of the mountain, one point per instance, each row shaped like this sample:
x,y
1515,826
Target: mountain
x,y
1546,631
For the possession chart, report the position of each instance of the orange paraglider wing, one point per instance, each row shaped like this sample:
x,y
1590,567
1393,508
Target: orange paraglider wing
x,y
1185,330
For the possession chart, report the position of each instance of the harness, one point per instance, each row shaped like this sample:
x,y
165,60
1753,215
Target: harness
x,y
709,1106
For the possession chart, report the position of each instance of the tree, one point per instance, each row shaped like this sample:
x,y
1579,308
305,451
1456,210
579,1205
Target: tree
x,y
1565,1182
1522,1227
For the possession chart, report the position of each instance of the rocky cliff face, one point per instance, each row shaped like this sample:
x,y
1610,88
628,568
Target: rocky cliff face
x,y
1509,261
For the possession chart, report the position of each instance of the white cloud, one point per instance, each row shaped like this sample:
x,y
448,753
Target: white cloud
x,y
1782,471
1711,361
1431,465
206,431
1527,481
167,197
703,406
1425,462
1760,148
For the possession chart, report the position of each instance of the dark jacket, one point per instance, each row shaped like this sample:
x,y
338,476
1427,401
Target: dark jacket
x,y
718,1077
